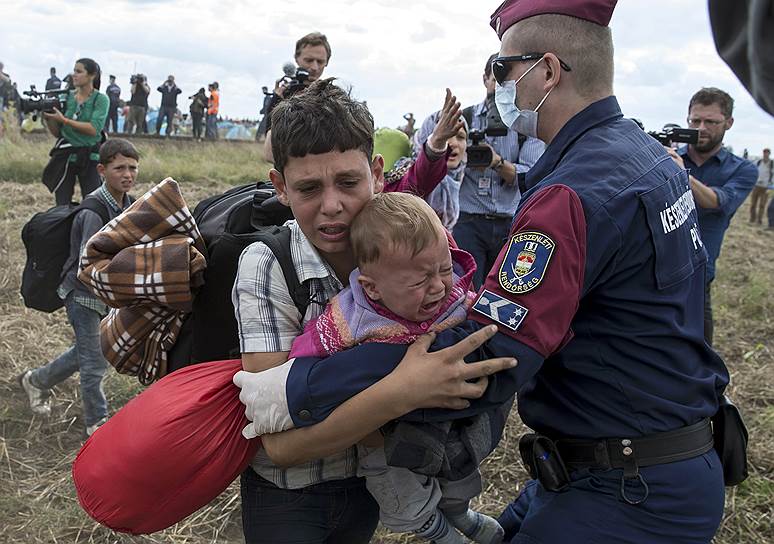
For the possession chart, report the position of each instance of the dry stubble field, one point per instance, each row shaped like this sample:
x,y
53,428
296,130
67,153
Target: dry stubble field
x,y
37,498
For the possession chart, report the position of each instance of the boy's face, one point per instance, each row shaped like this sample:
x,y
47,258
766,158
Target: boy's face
x,y
326,191
120,174
415,287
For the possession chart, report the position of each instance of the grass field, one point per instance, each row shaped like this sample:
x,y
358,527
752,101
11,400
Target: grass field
x,y
22,159
37,498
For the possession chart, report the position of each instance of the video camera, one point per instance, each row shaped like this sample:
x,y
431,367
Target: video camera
x,y
481,155
676,135
136,78
295,82
42,101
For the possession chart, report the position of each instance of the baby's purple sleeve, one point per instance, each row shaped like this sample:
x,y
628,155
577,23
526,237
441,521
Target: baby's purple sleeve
x,y
305,346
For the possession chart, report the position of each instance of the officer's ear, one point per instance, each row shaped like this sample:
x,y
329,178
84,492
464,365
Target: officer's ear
x,y
278,180
369,286
553,71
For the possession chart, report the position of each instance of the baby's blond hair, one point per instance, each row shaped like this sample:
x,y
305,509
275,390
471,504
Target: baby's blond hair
x,y
391,220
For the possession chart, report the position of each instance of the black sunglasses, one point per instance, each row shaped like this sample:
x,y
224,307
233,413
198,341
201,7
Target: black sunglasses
x,y
500,67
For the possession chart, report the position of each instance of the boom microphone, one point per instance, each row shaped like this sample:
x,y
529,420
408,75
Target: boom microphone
x,y
289,68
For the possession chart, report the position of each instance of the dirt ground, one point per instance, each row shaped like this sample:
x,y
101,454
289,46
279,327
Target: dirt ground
x,y
37,498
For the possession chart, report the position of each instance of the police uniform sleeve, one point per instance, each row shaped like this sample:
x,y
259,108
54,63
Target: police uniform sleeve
x,y
533,290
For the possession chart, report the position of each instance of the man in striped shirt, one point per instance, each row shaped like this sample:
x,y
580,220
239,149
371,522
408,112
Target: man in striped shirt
x,y
489,196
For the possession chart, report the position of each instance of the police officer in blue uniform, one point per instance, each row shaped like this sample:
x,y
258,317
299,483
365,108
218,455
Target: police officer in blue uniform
x,y
598,293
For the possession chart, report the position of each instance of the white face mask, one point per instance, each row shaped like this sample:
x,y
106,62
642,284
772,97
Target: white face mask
x,y
522,121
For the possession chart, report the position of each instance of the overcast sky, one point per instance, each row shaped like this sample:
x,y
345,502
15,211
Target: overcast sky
x,y
399,55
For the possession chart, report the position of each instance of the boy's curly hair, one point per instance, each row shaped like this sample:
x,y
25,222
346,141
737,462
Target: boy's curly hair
x,y
320,119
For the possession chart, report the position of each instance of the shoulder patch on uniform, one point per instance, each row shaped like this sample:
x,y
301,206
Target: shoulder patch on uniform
x,y
500,309
525,262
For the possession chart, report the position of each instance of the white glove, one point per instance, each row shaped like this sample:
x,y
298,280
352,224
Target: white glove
x,y
266,403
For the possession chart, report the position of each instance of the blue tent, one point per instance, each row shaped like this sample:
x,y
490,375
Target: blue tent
x,y
237,132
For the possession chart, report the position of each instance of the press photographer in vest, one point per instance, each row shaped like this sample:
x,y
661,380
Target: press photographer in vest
x,y
313,52
79,133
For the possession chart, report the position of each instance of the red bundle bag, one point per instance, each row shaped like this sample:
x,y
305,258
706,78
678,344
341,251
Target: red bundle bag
x,y
168,452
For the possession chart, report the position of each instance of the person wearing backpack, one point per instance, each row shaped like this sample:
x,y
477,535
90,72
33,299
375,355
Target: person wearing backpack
x,y
118,166
79,132
325,173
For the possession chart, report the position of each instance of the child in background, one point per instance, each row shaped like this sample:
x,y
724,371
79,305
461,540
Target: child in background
x,y
118,167
411,279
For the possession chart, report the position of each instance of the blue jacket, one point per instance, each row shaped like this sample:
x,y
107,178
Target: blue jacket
x,y
598,293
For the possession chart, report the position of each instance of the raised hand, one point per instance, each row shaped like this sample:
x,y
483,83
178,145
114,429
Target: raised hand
x,y
449,122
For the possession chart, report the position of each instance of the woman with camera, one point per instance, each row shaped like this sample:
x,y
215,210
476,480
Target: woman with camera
x,y
79,133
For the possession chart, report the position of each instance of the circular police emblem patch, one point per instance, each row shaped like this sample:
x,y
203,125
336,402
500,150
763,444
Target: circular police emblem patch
x,y
525,261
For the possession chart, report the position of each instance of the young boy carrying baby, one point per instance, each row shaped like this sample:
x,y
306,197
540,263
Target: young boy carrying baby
x,y
326,173
411,279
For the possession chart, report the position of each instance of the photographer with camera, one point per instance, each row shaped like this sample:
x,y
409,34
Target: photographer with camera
x,y
313,52
5,88
138,105
720,181
197,108
489,194
169,92
79,133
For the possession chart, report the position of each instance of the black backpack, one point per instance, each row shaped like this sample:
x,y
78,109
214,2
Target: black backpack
x,y
46,238
229,223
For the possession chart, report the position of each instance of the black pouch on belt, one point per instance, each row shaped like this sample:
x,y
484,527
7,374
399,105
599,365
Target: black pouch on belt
x,y
542,460
730,435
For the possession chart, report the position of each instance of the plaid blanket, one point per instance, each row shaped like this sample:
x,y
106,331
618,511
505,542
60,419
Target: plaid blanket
x,y
146,264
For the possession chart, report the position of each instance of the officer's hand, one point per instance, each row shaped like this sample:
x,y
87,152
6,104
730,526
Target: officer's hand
x,y
675,157
265,400
449,122
441,379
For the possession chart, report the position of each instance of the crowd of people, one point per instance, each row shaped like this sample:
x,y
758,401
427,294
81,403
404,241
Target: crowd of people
x,y
204,107
549,247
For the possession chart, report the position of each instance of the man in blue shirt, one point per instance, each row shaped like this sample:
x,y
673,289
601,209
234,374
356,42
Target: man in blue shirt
x,y
720,181
53,83
113,91
489,195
